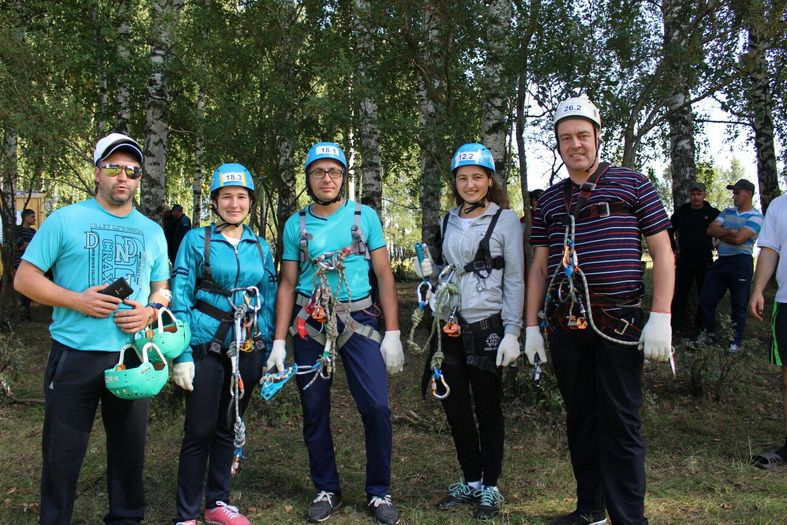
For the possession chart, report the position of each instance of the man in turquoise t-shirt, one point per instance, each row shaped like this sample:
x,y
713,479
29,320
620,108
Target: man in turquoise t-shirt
x,y
329,248
736,228
89,245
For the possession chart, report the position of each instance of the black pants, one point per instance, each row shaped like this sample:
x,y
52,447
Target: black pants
x,y
733,273
601,385
208,435
479,448
687,272
73,387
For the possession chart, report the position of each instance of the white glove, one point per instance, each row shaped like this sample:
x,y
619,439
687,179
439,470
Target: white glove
x,y
534,344
183,375
391,348
278,353
508,350
656,338
424,268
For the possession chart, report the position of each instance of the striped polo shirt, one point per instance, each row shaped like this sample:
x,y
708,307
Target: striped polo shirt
x,y
609,248
732,219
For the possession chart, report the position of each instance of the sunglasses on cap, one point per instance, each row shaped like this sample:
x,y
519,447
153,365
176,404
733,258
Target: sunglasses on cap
x,y
113,170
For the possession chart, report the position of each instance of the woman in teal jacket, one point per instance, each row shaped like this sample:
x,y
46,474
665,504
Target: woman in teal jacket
x,y
220,270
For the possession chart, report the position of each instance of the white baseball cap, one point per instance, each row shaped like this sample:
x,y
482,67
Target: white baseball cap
x,y
115,142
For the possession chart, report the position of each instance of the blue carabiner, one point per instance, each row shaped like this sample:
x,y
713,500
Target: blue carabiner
x,y
272,383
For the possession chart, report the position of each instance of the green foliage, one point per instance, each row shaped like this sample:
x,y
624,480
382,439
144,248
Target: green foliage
x,y
715,371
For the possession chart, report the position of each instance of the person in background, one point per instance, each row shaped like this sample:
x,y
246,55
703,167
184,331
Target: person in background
x,y
24,234
693,249
179,226
736,228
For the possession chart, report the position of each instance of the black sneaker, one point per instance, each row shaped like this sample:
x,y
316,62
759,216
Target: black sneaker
x,y
489,500
596,517
383,510
323,506
458,494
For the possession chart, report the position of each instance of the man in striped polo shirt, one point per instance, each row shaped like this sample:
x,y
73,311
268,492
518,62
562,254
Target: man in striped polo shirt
x,y
736,228
595,326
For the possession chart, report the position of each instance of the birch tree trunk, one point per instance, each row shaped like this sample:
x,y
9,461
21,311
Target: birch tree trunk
x,y
101,66
369,131
680,117
164,17
429,125
199,151
761,111
123,60
9,174
521,93
496,94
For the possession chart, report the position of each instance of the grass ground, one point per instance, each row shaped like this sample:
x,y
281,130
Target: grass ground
x,y
697,462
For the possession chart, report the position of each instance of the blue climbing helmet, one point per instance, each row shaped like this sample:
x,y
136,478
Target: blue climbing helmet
x,y
232,174
473,154
325,150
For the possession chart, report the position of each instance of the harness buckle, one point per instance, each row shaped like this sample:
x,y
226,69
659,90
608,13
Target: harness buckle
x,y
602,209
626,325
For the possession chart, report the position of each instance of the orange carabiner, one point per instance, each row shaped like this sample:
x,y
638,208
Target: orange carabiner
x,y
318,314
452,329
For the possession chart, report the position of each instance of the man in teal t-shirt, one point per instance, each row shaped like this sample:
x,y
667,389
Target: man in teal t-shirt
x,y
89,245
329,249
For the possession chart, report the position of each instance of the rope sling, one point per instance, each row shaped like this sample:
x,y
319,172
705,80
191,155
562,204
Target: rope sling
x,y
244,328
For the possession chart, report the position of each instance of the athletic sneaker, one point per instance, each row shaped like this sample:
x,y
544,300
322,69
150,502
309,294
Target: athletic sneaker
x,y
323,506
189,522
489,500
596,517
458,494
223,514
383,510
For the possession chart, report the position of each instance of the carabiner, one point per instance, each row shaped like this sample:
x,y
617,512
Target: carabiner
x,y
437,374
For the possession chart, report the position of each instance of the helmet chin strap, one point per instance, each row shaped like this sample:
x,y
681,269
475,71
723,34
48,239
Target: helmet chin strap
x,y
224,223
321,202
482,202
596,158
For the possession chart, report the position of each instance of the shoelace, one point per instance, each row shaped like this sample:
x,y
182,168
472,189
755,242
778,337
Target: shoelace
x,y
460,489
324,495
489,497
376,501
229,510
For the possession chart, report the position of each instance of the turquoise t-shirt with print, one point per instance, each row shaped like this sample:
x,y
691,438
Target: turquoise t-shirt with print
x,y
84,245
334,233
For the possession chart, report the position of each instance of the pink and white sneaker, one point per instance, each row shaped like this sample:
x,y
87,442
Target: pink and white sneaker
x,y
224,514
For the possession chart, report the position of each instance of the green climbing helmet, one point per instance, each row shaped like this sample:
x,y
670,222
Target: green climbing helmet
x,y
140,382
171,336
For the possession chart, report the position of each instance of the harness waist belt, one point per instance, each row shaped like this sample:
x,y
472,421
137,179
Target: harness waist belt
x,y
341,307
216,313
600,209
494,322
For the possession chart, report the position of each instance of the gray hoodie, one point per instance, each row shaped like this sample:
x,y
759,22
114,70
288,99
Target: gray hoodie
x,y
504,290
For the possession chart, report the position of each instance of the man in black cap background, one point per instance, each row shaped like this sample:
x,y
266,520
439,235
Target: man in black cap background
x,y
736,228
177,228
693,249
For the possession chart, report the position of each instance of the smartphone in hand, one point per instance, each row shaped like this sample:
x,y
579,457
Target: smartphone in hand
x,y
120,289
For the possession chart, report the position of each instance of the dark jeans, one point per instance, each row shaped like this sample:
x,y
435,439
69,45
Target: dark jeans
x,y
733,273
368,382
601,386
209,435
73,387
479,448
688,271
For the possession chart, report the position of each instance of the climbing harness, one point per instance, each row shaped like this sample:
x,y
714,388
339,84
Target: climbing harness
x,y
226,319
568,283
323,306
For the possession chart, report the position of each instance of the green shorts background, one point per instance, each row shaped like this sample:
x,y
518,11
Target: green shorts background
x,y
779,334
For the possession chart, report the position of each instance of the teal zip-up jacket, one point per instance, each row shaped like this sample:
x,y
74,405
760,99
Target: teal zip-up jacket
x,y
230,268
